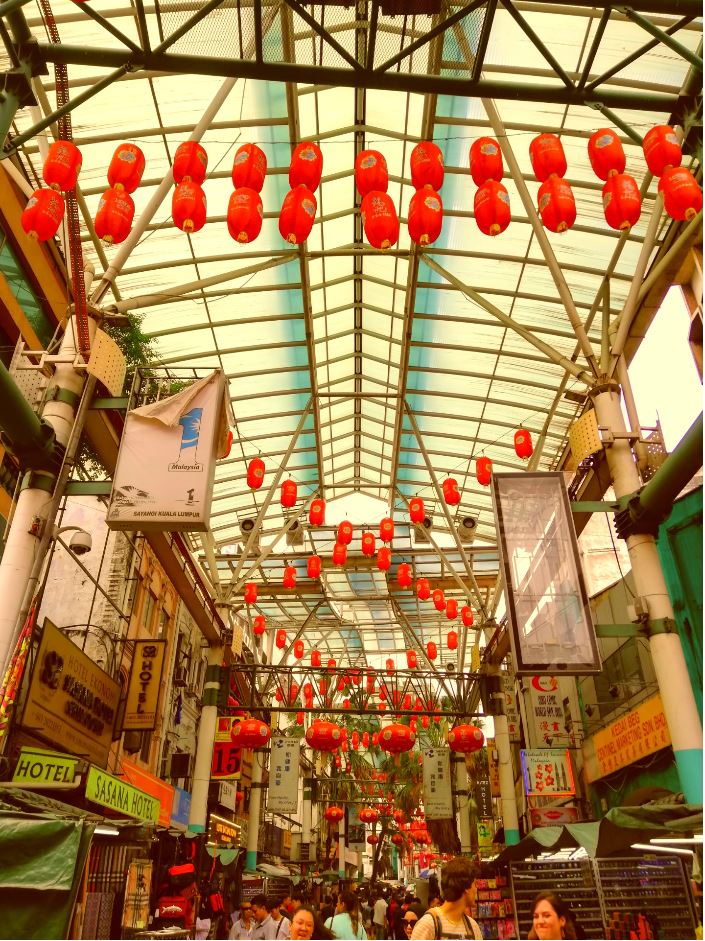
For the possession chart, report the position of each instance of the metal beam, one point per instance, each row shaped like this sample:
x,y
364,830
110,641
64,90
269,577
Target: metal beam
x,y
663,37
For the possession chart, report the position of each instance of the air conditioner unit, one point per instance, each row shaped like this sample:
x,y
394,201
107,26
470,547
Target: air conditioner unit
x,y
246,527
421,530
180,678
192,692
295,534
467,527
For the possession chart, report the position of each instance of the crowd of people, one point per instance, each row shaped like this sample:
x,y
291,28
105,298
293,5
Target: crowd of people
x,y
379,914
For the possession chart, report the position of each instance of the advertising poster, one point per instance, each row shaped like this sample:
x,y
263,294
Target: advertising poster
x,y
511,707
356,830
641,732
492,766
547,772
144,685
553,816
283,792
437,796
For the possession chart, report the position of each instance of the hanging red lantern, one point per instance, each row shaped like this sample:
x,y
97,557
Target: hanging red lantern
x,y
280,638
606,153
113,220
662,149
556,204
404,575
682,197
126,168
467,615
375,739
340,554
371,172
451,609
289,493
323,735
289,580
483,471
384,559
365,739
492,213
452,640
417,510
297,215
244,217
439,599
62,165
547,157
370,682
259,625
386,529
451,493
249,167
380,220
373,839
251,593
398,839
346,705
299,721
368,544
338,761
431,650
334,814
255,473
315,658
355,739
389,664
522,444
411,660
368,815
293,693
423,589
398,815
188,206
317,512
427,165
43,214
345,533
190,163
250,733
621,201
465,738
306,166
425,219
486,161
298,649
313,566
425,722
396,738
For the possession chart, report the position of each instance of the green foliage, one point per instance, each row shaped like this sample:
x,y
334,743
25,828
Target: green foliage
x,y
137,348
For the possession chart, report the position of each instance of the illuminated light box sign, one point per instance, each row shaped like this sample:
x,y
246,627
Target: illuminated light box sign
x,y
144,685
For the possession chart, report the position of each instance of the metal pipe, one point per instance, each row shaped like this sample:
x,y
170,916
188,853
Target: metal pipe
x,y
676,471
31,439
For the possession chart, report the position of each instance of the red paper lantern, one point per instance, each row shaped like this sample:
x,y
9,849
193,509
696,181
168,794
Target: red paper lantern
x,y
404,575
313,566
297,214
306,166
317,512
315,658
556,204
450,491
298,649
662,149
365,739
417,511
299,721
682,197
396,738
244,217
431,650
345,533
427,165
386,529
334,814
606,153
289,580
465,738
188,206
249,167
280,638
423,589
250,733
113,220
43,214
255,473
368,815
439,599
451,609
621,201
467,615
62,165
452,640
398,839
330,665
389,664
126,168
398,815
259,625
483,471
486,161
411,660
375,739
355,739
547,157
323,735
289,493
425,216
380,220
522,444
492,213
425,722
251,593
368,544
384,559
371,172
190,163
373,839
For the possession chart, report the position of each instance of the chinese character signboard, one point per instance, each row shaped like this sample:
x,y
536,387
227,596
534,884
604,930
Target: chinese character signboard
x,y
437,797
283,793
639,733
511,707
547,772
545,709
144,685
492,766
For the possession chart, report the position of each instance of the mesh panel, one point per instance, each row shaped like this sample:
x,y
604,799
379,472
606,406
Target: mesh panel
x,y
223,33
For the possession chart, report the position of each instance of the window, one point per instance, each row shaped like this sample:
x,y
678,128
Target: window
x,y
148,604
163,624
622,677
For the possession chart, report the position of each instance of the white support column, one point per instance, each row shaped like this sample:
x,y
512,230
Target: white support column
x,y
463,802
258,756
341,848
507,793
198,814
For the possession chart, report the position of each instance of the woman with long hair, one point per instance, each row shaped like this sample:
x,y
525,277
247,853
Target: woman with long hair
x,y
552,918
347,921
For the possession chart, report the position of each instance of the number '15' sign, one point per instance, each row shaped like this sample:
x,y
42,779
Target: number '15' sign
x,y
226,761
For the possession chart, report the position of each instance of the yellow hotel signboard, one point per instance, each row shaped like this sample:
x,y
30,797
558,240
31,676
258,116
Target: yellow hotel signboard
x,y
144,685
638,733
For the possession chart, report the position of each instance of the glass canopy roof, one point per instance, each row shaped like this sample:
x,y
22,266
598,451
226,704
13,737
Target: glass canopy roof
x,y
357,371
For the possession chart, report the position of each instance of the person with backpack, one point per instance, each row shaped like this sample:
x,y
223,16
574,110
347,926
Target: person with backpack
x,y
450,920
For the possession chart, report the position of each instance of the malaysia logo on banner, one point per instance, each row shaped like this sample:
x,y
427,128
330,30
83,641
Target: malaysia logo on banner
x,y
283,793
437,796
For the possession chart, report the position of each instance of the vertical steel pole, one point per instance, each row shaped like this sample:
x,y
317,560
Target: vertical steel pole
x,y
507,793
198,813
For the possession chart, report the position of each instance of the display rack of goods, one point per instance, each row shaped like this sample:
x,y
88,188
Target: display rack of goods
x,y
495,908
573,880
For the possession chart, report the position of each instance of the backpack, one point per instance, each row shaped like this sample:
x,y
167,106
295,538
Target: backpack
x,y
438,927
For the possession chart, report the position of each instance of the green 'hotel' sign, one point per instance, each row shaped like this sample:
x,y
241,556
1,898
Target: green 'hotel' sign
x,y
104,789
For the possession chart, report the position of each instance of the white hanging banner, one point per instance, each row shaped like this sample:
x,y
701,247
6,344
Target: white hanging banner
x,y
283,793
437,794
